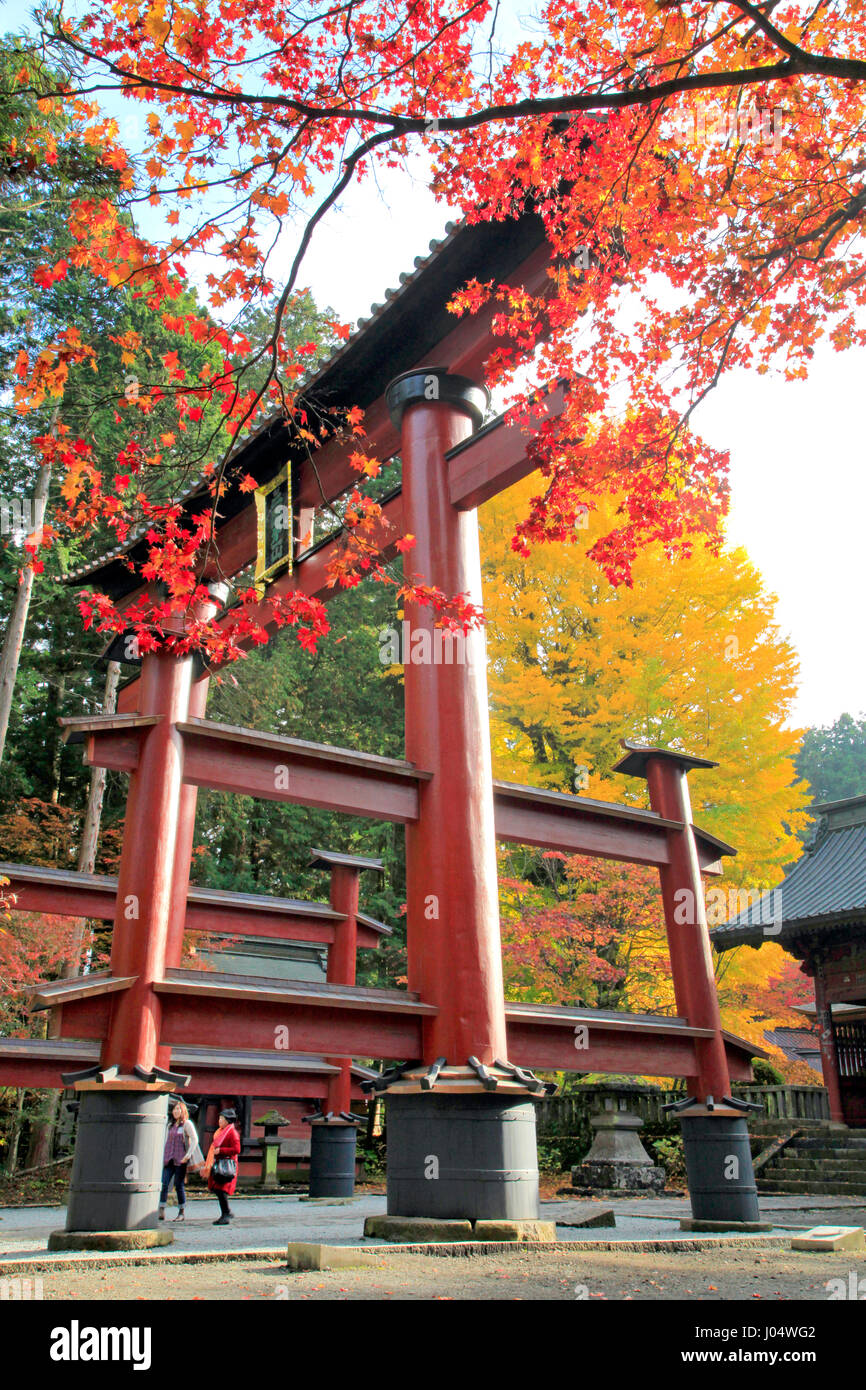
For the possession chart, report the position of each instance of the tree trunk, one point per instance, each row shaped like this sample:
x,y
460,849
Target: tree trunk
x,y
14,639
93,814
14,1138
58,741
42,1131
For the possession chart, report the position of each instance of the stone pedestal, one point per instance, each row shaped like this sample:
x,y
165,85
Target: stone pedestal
x,y
333,1140
116,1173
719,1168
617,1161
270,1142
461,1144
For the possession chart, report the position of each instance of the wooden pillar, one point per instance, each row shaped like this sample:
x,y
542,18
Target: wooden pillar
x,y
454,951
185,837
716,1144
345,884
666,772
153,876
147,866
827,1043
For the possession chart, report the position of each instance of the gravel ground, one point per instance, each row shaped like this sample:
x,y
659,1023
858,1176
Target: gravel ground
x,y
700,1276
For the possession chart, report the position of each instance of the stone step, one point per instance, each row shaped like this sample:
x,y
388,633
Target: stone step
x,y
820,1165
803,1172
833,1166
831,1143
808,1156
815,1188
827,1155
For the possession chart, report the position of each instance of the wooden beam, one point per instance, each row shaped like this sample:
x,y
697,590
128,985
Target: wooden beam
x,y
63,892
228,758
119,738
84,1018
581,825
41,1062
57,993
244,761
293,770
38,1062
564,1038
578,825
497,456
335,1020
548,1038
230,1071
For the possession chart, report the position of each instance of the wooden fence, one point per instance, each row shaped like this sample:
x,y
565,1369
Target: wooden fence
x,y
807,1104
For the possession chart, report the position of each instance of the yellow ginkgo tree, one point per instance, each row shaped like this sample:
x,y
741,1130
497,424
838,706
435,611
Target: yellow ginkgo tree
x,y
690,655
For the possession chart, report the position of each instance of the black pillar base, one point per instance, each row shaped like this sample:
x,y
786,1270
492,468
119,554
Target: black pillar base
x,y
333,1140
465,1156
117,1167
719,1170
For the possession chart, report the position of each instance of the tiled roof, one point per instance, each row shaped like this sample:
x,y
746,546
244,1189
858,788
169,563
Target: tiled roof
x,y
798,1045
358,367
825,887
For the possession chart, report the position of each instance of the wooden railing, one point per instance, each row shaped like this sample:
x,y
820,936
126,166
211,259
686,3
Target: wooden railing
x,y
808,1104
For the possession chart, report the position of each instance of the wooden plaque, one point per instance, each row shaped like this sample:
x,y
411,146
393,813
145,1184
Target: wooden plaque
x,y
274,527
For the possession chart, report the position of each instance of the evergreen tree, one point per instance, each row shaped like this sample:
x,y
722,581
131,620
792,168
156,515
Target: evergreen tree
x,y
832,759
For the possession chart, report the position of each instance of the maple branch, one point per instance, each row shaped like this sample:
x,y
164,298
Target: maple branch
x,y
799,63
776,37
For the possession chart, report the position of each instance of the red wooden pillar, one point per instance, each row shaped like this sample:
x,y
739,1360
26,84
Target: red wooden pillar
x,y
153,877
461,1129
345,871
827,1043
454,952
147,865
118,1153
716,1147
185,838
682,887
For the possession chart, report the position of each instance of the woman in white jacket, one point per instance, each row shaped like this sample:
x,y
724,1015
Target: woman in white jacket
x,y
181,1149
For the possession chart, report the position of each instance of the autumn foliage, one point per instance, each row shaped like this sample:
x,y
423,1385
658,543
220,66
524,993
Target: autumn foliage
x,y
688,656
674,254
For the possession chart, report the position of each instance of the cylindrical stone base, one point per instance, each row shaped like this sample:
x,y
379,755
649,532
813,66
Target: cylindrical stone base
x,y
118,1161
720,1176
471,1157
332,1158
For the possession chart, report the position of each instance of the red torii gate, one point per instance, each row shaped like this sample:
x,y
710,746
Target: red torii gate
x,y
465,1097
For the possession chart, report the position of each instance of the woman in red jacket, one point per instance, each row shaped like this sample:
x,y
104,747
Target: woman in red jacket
x,y
221,1165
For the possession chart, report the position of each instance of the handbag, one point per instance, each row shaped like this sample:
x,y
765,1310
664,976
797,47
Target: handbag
x,y
224,1167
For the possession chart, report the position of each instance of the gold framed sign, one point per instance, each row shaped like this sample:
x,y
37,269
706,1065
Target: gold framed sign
x,y
274,527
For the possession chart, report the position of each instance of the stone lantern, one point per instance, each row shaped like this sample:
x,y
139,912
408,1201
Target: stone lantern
x,y
270,1142
617,1163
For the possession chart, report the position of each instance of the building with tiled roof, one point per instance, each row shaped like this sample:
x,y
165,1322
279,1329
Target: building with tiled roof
x,y
818,914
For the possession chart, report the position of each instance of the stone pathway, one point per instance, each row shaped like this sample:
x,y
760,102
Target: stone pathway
x,y
269,1223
